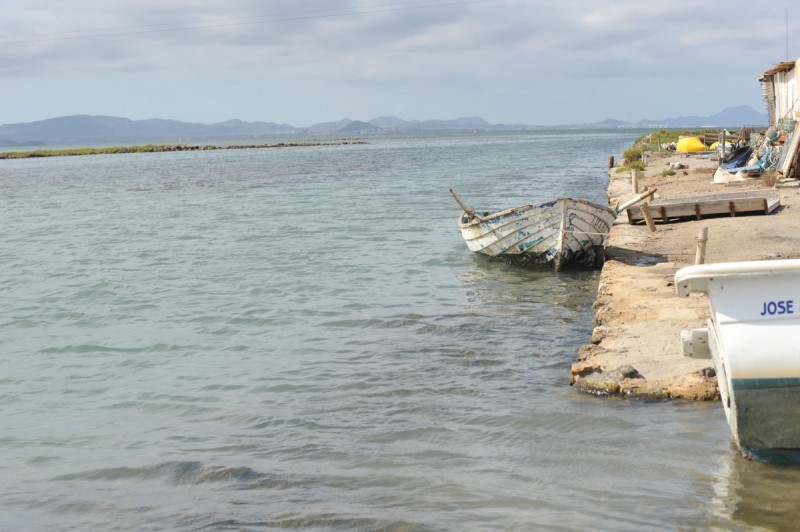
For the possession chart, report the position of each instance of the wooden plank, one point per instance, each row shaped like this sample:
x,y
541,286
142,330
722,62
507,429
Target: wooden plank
x,y
790,152
699,206
772,205
765,193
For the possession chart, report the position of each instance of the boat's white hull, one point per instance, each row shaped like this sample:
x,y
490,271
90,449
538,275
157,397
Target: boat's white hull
x,y
754,338
555,234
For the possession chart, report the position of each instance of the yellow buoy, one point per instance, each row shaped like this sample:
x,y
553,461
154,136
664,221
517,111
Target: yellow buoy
x,y
690,144
714,146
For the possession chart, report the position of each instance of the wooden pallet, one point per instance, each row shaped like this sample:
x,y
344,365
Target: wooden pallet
x,y
676,209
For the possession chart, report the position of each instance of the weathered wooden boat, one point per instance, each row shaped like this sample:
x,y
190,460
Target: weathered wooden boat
x,y
556,234
752,337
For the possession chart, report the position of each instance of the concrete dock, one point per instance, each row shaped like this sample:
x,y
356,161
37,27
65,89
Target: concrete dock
x,y
635,347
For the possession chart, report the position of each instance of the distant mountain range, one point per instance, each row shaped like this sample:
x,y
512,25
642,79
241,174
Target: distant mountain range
x,y
85,129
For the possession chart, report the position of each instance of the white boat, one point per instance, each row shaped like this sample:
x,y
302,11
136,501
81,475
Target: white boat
x,y
559,233
753,336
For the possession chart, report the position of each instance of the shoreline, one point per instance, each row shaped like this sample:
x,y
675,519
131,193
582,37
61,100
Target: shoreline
x,y
159,148
635,348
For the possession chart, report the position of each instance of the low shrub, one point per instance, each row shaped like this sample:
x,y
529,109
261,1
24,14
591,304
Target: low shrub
x,y
633,153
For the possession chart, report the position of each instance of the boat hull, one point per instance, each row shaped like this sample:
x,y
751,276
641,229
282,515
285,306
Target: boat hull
x,y
557,234
753,332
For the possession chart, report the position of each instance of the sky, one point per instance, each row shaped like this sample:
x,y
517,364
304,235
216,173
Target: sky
x,y
302,62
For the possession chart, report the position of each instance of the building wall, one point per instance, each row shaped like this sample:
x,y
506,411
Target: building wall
x,y
785,96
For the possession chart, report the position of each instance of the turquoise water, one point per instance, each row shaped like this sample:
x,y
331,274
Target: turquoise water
x,y
298,337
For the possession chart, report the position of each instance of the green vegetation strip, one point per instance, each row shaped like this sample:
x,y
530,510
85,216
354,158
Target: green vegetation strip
x,y
156,148
655,140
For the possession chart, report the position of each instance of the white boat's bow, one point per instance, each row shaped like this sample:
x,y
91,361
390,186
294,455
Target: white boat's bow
x,y
754,338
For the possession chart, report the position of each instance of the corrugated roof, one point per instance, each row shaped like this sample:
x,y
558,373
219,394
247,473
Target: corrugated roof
x,y
783,66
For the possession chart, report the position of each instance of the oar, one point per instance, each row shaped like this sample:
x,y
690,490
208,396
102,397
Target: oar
x,y
467,210
634,200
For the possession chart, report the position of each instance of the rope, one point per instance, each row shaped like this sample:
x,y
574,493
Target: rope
x,y
584,232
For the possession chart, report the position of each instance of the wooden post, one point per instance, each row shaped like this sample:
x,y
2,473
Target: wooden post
x,y
648,217
724,140
702,238
610,162
636,199
635,180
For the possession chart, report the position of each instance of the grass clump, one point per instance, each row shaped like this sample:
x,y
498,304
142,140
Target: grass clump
x,y
636,164
634,152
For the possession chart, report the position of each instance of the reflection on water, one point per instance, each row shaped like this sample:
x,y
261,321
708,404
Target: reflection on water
x,y
493,282
754,494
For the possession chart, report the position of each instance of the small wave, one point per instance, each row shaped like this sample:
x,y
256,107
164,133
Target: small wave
x,y
107,349
41,460
7,399
182,473
320,522
392,322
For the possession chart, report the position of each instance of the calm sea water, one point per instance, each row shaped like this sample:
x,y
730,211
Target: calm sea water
x,y
282,338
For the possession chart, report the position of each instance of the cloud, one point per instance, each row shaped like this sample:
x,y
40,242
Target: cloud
x,y
384,49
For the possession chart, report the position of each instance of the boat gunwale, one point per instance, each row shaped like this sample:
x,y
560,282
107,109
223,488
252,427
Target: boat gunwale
x,y
478,219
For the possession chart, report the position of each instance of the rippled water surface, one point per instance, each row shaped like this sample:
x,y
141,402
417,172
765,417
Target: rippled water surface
x,y
299,337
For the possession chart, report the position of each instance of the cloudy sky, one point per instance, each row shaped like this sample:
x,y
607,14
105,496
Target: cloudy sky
x,y
306,61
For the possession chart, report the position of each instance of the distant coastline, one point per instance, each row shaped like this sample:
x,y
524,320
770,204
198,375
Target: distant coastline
x,y
89,130
157,148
